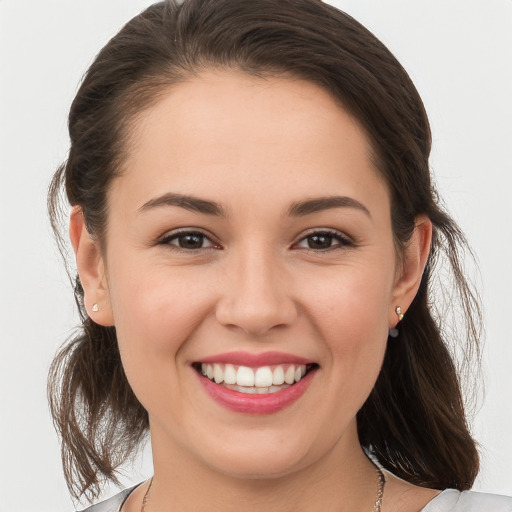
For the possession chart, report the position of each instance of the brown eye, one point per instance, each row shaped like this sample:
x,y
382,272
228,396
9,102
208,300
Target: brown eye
x,y
319,241
188,240
324,241
192,241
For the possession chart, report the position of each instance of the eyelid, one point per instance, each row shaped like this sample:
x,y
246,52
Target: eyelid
x,y
173,234
345,240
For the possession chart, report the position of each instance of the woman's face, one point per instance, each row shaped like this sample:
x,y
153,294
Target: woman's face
x,y
250,232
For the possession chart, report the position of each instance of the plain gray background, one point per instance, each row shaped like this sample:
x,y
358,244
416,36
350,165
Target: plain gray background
x,y
458,52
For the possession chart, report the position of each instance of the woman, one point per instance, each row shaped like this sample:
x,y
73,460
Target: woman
x,y
255,234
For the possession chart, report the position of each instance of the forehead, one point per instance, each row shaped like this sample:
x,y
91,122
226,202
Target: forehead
x,y
232,135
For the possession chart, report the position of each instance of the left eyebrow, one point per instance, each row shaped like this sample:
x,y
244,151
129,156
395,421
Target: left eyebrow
x,y
319,204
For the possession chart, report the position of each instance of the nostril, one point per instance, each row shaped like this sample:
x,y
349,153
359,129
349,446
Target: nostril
x,y
255,312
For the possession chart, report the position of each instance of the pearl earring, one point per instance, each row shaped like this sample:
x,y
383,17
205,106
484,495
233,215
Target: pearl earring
x,y
95,308
393,332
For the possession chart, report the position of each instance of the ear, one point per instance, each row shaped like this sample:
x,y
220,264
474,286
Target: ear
x,y
412,266
91,270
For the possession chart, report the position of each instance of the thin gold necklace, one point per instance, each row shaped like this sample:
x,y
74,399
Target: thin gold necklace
x,y
376,507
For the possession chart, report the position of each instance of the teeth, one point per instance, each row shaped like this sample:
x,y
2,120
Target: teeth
x,y
229,374
278,376
254,390
245,376
218,374
264,379
289,376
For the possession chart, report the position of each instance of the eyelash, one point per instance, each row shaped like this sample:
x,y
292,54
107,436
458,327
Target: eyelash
x,y
166,240
343,240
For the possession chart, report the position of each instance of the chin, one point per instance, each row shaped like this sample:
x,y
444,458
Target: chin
x,y
258,468
267,459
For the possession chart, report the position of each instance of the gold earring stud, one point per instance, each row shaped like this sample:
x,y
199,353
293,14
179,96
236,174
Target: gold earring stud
x,y
399,313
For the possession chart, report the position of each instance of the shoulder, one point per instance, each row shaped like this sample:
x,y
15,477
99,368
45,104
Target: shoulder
x,y
113,504
452,500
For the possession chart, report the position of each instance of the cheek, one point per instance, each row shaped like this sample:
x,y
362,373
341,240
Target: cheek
x,y
351,301
350,312
156,309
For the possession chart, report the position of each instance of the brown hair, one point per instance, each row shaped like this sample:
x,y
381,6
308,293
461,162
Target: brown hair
x,y
414,421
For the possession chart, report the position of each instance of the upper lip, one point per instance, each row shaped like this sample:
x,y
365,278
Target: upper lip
x,y
255,360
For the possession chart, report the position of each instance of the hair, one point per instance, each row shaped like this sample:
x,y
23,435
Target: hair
x,y
414,421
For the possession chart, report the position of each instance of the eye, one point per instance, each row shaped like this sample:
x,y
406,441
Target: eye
x,y
188,240
324,240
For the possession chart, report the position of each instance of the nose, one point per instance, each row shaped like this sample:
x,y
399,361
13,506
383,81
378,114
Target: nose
x,y
256,296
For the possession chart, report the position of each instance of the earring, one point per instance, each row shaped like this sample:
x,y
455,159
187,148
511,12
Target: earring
x,y
95,308
393,332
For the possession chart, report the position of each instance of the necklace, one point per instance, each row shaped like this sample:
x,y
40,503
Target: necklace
x,y
376,507
146,496
380,491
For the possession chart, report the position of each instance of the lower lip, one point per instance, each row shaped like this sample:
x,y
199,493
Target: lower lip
x,y
267,403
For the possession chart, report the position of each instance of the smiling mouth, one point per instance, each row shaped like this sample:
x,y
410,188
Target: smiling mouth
x,y
259,380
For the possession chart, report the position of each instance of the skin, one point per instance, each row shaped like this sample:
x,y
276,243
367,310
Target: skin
x,y
254,146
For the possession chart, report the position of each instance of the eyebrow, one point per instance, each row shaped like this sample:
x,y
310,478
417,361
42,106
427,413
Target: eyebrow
x,y
303,208
297,209
194,204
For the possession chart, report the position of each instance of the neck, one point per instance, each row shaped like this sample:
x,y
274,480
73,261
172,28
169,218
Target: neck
x,y
341,480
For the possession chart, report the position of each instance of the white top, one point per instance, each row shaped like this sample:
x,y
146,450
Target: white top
x,y
449,500
452,500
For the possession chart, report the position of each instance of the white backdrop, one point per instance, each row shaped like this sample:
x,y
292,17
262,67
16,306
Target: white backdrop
x,y
458,52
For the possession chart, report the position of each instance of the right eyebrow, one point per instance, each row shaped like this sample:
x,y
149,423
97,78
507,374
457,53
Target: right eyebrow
x,y
318,204
192,203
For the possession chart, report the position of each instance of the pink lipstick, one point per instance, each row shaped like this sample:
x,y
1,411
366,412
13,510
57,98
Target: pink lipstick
x,y
255,383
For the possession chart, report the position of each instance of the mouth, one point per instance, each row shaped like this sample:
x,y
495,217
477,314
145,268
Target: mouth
x,y
255,389
259,380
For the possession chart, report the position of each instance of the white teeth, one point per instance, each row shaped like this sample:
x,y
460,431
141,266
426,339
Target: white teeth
x,y
278,376
229,374
218,374
254,390
289,376
245,376
263,377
